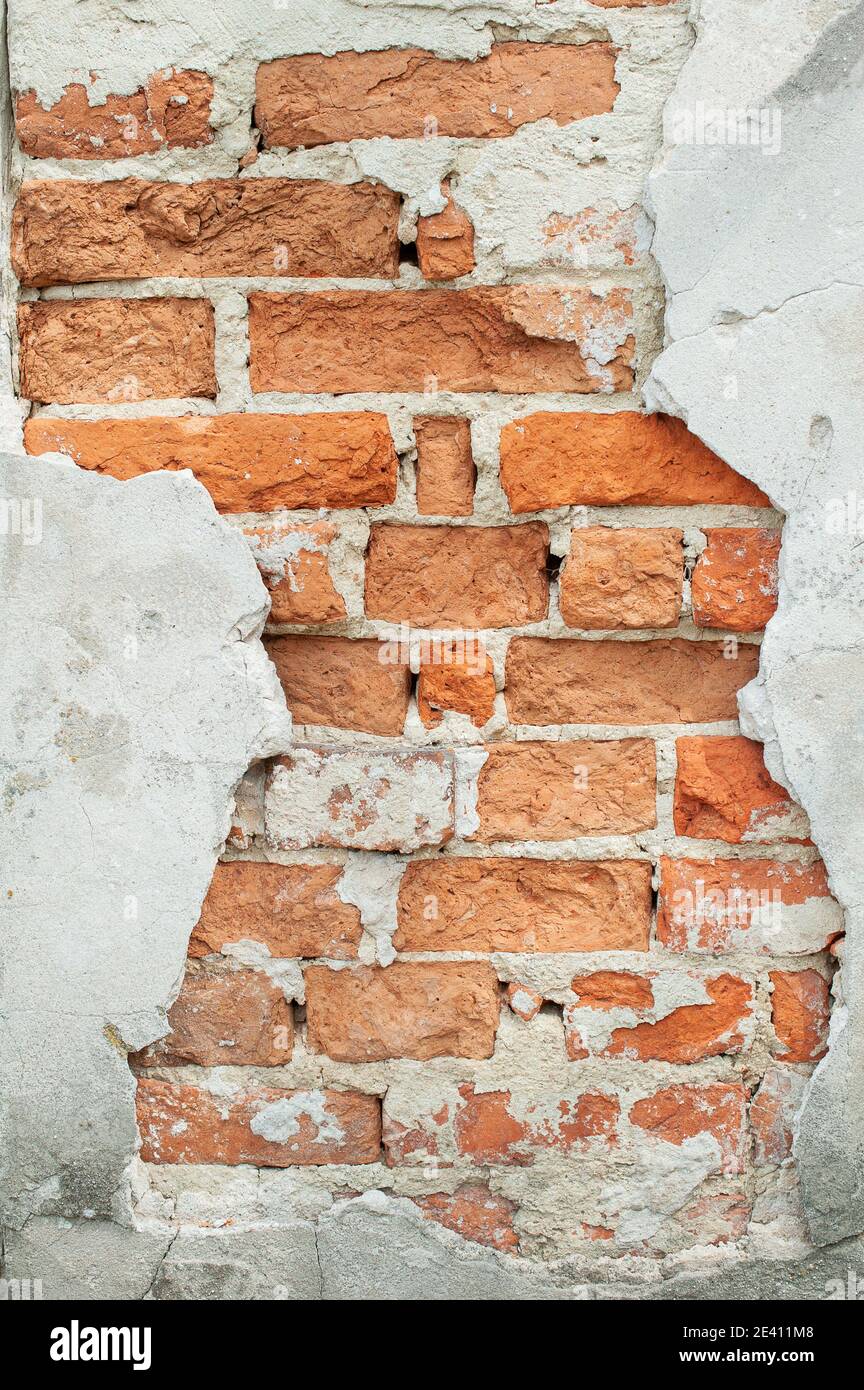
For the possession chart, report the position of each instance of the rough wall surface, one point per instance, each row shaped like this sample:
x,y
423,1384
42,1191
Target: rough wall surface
x,y
517,964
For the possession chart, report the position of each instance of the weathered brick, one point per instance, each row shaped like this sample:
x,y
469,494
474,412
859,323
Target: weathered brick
x,y
465,686
360,798
678,1113
475,1213
445,466
458,576
735,580
556,459
492,1127
773,1111
460,904
627,578
67,232
667,681
445,241
292,909
487,338
723,791
560,790
248,463
265,1127
224,1018
408,1009
171,111
525,1002
116,349
751,904
800,1010
596,238
687,1019
293,559
341,683
309,99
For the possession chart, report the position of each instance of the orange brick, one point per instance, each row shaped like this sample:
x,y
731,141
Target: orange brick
x,y
723,791
224,1018
800,1010
722,1024
248,463
757,904
341,683
613,989
558,791
460,904
445,466
465,686
667,681
489,1128
526,1003
773,1111
264,1127
293,558
735,580
487,338
292,909
171,111
116,349
559,459
474,1212
677,1113
409,92
627,578
445,241
458,576
67,232
418,1010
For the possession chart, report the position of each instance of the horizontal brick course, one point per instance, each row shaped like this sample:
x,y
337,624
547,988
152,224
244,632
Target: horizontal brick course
x,y
488,338
558,459
248,463
667,681
116,350
400,92
461,904
69,232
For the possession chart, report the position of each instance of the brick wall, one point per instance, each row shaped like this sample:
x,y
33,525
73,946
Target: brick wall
x,y
520,926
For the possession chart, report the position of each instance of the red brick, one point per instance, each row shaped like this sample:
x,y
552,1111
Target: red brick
x,y
561,790
312,100
172,111
475,1213
678,1113
458,576
487,338
756,904
445,466
667,681
558,459
67,232
341,683
116,349
722,1024
461,904
800,1011
445,241
490,1128
627,578
525,1002
225,1018
735,581
464,686
292,909
248,463
723,791
293,559
182,1124
417,1010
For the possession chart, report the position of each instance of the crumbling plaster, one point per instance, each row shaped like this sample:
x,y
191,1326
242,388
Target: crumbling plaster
x,y
376,1245
761,255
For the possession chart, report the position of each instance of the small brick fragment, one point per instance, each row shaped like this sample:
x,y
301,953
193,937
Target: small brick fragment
x,y
734,584
341,683
293,560
723,791
526,1003
224,1018
622,578
475,1213
445,466
445,241
800,1011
